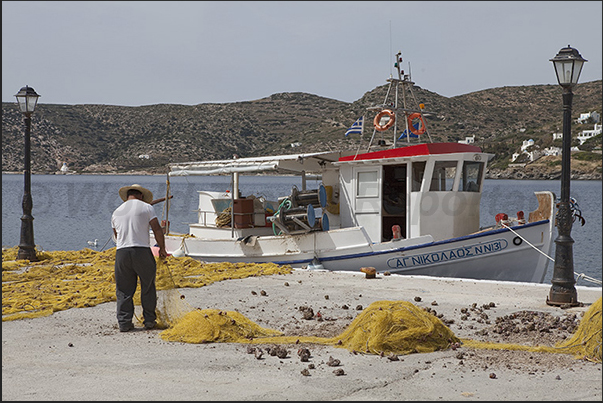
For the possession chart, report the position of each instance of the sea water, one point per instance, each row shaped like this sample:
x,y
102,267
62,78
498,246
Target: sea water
x,y
71,210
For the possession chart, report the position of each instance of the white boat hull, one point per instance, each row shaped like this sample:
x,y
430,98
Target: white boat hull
x,y
497,254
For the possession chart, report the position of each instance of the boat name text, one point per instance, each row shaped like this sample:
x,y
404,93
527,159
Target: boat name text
x,y
447,255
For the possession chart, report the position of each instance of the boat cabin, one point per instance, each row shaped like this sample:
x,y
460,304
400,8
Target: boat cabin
x,y
422,189
411,191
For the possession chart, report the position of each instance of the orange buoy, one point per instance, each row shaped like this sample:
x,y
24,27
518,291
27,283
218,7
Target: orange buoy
x,y
390,122
421,128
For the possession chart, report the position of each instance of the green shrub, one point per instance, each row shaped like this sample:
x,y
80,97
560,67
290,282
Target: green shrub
x,y
586,156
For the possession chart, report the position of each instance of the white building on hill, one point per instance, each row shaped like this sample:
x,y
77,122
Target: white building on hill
x,y
587,134
468,140
587,117
532,155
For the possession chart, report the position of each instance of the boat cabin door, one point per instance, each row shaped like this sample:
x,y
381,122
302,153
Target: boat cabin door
x,y
394,202
367,196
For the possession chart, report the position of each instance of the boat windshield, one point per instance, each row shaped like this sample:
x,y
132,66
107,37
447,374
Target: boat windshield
x,y
472,175
444,173
418,171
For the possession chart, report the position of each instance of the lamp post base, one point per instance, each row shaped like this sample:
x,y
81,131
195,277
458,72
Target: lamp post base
x,y
562,297
27,248
27,253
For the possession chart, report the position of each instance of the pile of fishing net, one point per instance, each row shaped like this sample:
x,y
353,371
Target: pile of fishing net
x,y
394,327
585,343
385,327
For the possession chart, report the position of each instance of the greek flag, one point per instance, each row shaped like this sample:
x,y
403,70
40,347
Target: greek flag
x,y
357,127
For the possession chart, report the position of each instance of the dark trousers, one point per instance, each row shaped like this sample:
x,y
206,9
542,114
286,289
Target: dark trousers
x,y
131,264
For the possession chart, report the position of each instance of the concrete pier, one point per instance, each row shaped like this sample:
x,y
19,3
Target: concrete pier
x,y
79,354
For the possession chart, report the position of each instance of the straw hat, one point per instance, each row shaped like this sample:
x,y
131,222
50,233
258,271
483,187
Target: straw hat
x,y
147,195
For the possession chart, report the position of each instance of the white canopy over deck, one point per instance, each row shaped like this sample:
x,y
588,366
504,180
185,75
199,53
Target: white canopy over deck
x,y
293,163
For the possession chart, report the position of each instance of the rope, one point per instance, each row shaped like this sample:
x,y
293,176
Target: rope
x,y
286,202
183,244
587,278
578,276
166,206
224,217
526,241
103,248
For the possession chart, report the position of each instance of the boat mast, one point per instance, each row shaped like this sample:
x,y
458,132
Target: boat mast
x,y
399,111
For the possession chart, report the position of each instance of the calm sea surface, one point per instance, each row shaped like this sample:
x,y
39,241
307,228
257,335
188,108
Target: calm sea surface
x,y
70,210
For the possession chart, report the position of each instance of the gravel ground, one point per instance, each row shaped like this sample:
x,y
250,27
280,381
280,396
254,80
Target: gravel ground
x,y
79,354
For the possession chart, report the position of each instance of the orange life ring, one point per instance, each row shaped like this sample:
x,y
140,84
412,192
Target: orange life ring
x,y
390,122
421,128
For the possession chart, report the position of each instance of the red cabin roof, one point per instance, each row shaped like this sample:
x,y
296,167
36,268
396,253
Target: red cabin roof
x,y
414,150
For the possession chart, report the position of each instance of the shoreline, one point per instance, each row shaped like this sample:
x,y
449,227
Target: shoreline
x,y
575,177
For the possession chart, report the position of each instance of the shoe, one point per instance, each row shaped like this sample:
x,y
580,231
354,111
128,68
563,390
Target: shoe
x,y
126,328
150,325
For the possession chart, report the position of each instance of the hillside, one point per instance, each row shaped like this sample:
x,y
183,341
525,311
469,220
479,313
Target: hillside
x,y
117,139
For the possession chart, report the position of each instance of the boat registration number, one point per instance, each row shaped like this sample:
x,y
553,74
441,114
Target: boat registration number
x,y
448,254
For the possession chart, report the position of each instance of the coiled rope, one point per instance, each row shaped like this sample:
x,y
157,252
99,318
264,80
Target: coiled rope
x,y
284,204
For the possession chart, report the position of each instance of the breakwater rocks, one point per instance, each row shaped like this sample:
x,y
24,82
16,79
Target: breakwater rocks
x,y
548,168
535,175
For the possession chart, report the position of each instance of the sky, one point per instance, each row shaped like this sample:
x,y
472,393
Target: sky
x,y
194,52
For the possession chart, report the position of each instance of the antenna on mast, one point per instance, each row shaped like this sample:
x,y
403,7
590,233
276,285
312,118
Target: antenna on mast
x,y
390,46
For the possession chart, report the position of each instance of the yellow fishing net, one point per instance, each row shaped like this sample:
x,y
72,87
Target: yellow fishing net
x,y
585,343
76,279
63,280
59,281
394,327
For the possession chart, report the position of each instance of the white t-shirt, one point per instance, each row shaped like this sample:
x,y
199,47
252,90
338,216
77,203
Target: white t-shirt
x,y
132,221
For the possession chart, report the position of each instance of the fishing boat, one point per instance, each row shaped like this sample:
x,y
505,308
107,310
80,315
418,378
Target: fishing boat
x,y
409,207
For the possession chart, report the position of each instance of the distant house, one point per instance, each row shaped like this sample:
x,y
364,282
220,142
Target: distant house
x,y
555,151
526,144
468,140
557,136
296,144
587,134
532,155
588,117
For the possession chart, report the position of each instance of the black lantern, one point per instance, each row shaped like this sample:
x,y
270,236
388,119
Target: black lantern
x,y
568,66
27,99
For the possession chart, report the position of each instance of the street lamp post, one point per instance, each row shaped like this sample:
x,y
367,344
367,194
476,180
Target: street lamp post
x,y
27,99
568,65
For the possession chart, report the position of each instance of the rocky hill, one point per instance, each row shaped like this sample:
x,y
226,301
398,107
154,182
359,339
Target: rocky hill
x,y
120,139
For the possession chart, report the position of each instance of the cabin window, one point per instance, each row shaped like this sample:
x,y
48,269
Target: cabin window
x,y
472,176
418,171
367,184
444,173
